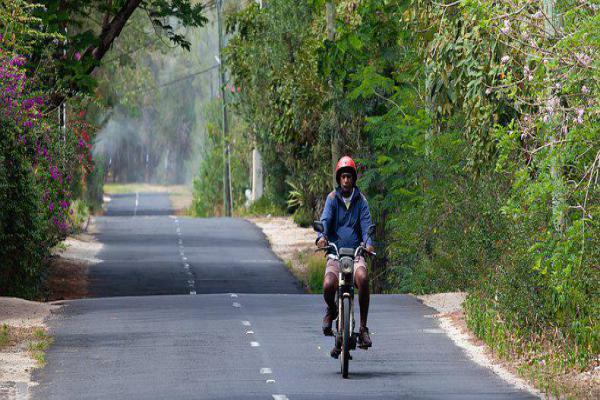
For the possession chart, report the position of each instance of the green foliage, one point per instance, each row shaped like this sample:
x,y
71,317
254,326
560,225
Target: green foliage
x,y
38,346
4,335
264,206
314,264
92,26
273,57
24,233
303,217
20,28
42,169
208,184
475,125
79,213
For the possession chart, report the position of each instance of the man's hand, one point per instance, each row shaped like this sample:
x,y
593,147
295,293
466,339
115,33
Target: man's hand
x,y
370,248
322,242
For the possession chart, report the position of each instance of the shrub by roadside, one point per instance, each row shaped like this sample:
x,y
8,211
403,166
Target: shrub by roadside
x,y
42,172
315,269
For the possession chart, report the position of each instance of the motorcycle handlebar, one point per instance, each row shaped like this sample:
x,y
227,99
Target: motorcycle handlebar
x,y
358,250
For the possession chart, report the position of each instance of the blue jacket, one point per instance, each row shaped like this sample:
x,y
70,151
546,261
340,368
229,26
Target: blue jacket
x,y
346,227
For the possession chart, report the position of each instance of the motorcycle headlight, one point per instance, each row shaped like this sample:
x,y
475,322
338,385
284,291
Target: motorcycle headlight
x,y
346,265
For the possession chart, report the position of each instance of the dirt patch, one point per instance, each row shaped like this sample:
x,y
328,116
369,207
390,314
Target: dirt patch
x,y
288,241
181,200
19,313
444,302
67,280
69,266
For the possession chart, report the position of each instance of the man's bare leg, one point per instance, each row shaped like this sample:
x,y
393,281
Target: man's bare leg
x,y
361,280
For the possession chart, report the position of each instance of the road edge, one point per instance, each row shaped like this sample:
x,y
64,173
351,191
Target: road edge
x,y
452,320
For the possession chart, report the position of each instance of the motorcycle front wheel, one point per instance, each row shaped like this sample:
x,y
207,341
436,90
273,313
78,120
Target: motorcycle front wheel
x,y
346,332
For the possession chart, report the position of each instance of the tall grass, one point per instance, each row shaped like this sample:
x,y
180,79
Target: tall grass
x,y
315,270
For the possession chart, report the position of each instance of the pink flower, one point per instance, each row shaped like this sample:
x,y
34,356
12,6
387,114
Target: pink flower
x,y
54,172
585,89
583,59
579,116
51,207
77,56
506,28
505,59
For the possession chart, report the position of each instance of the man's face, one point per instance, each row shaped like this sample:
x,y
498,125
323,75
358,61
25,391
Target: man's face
x,y
347,182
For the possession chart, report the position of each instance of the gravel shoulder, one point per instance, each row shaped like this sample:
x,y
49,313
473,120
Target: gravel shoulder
x,y
287,241
19,320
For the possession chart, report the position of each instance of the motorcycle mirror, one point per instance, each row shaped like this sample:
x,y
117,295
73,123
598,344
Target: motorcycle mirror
x,y
318,226
371,230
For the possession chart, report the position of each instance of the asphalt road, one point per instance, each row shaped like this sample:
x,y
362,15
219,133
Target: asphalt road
x,y
201,309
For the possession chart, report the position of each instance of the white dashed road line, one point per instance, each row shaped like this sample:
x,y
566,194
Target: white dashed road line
x,y
433,331
137,202
263,371
190,281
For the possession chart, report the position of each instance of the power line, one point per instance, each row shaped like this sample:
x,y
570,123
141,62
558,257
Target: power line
x,y
181,78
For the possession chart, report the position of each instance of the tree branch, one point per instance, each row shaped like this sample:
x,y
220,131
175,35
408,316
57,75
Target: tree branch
x,y
112,30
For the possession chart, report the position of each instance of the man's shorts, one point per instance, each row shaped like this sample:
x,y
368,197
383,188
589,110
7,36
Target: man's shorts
x,y
333,265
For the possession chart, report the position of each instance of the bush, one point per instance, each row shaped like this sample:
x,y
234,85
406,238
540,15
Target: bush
x,y
315,270
78,214
24,235
264,206
41,172
303,217
95,185
208,183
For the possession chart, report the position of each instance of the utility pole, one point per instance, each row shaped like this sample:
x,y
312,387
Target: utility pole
x,y
552,23
330,17
62,110
226,164
257,175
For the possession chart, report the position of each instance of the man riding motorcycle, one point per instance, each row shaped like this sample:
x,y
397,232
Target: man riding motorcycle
x,y
346,219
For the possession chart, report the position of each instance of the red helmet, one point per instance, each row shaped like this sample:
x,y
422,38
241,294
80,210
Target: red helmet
x,y
346,164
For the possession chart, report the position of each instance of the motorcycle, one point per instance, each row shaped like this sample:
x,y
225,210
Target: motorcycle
x,y
346,338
